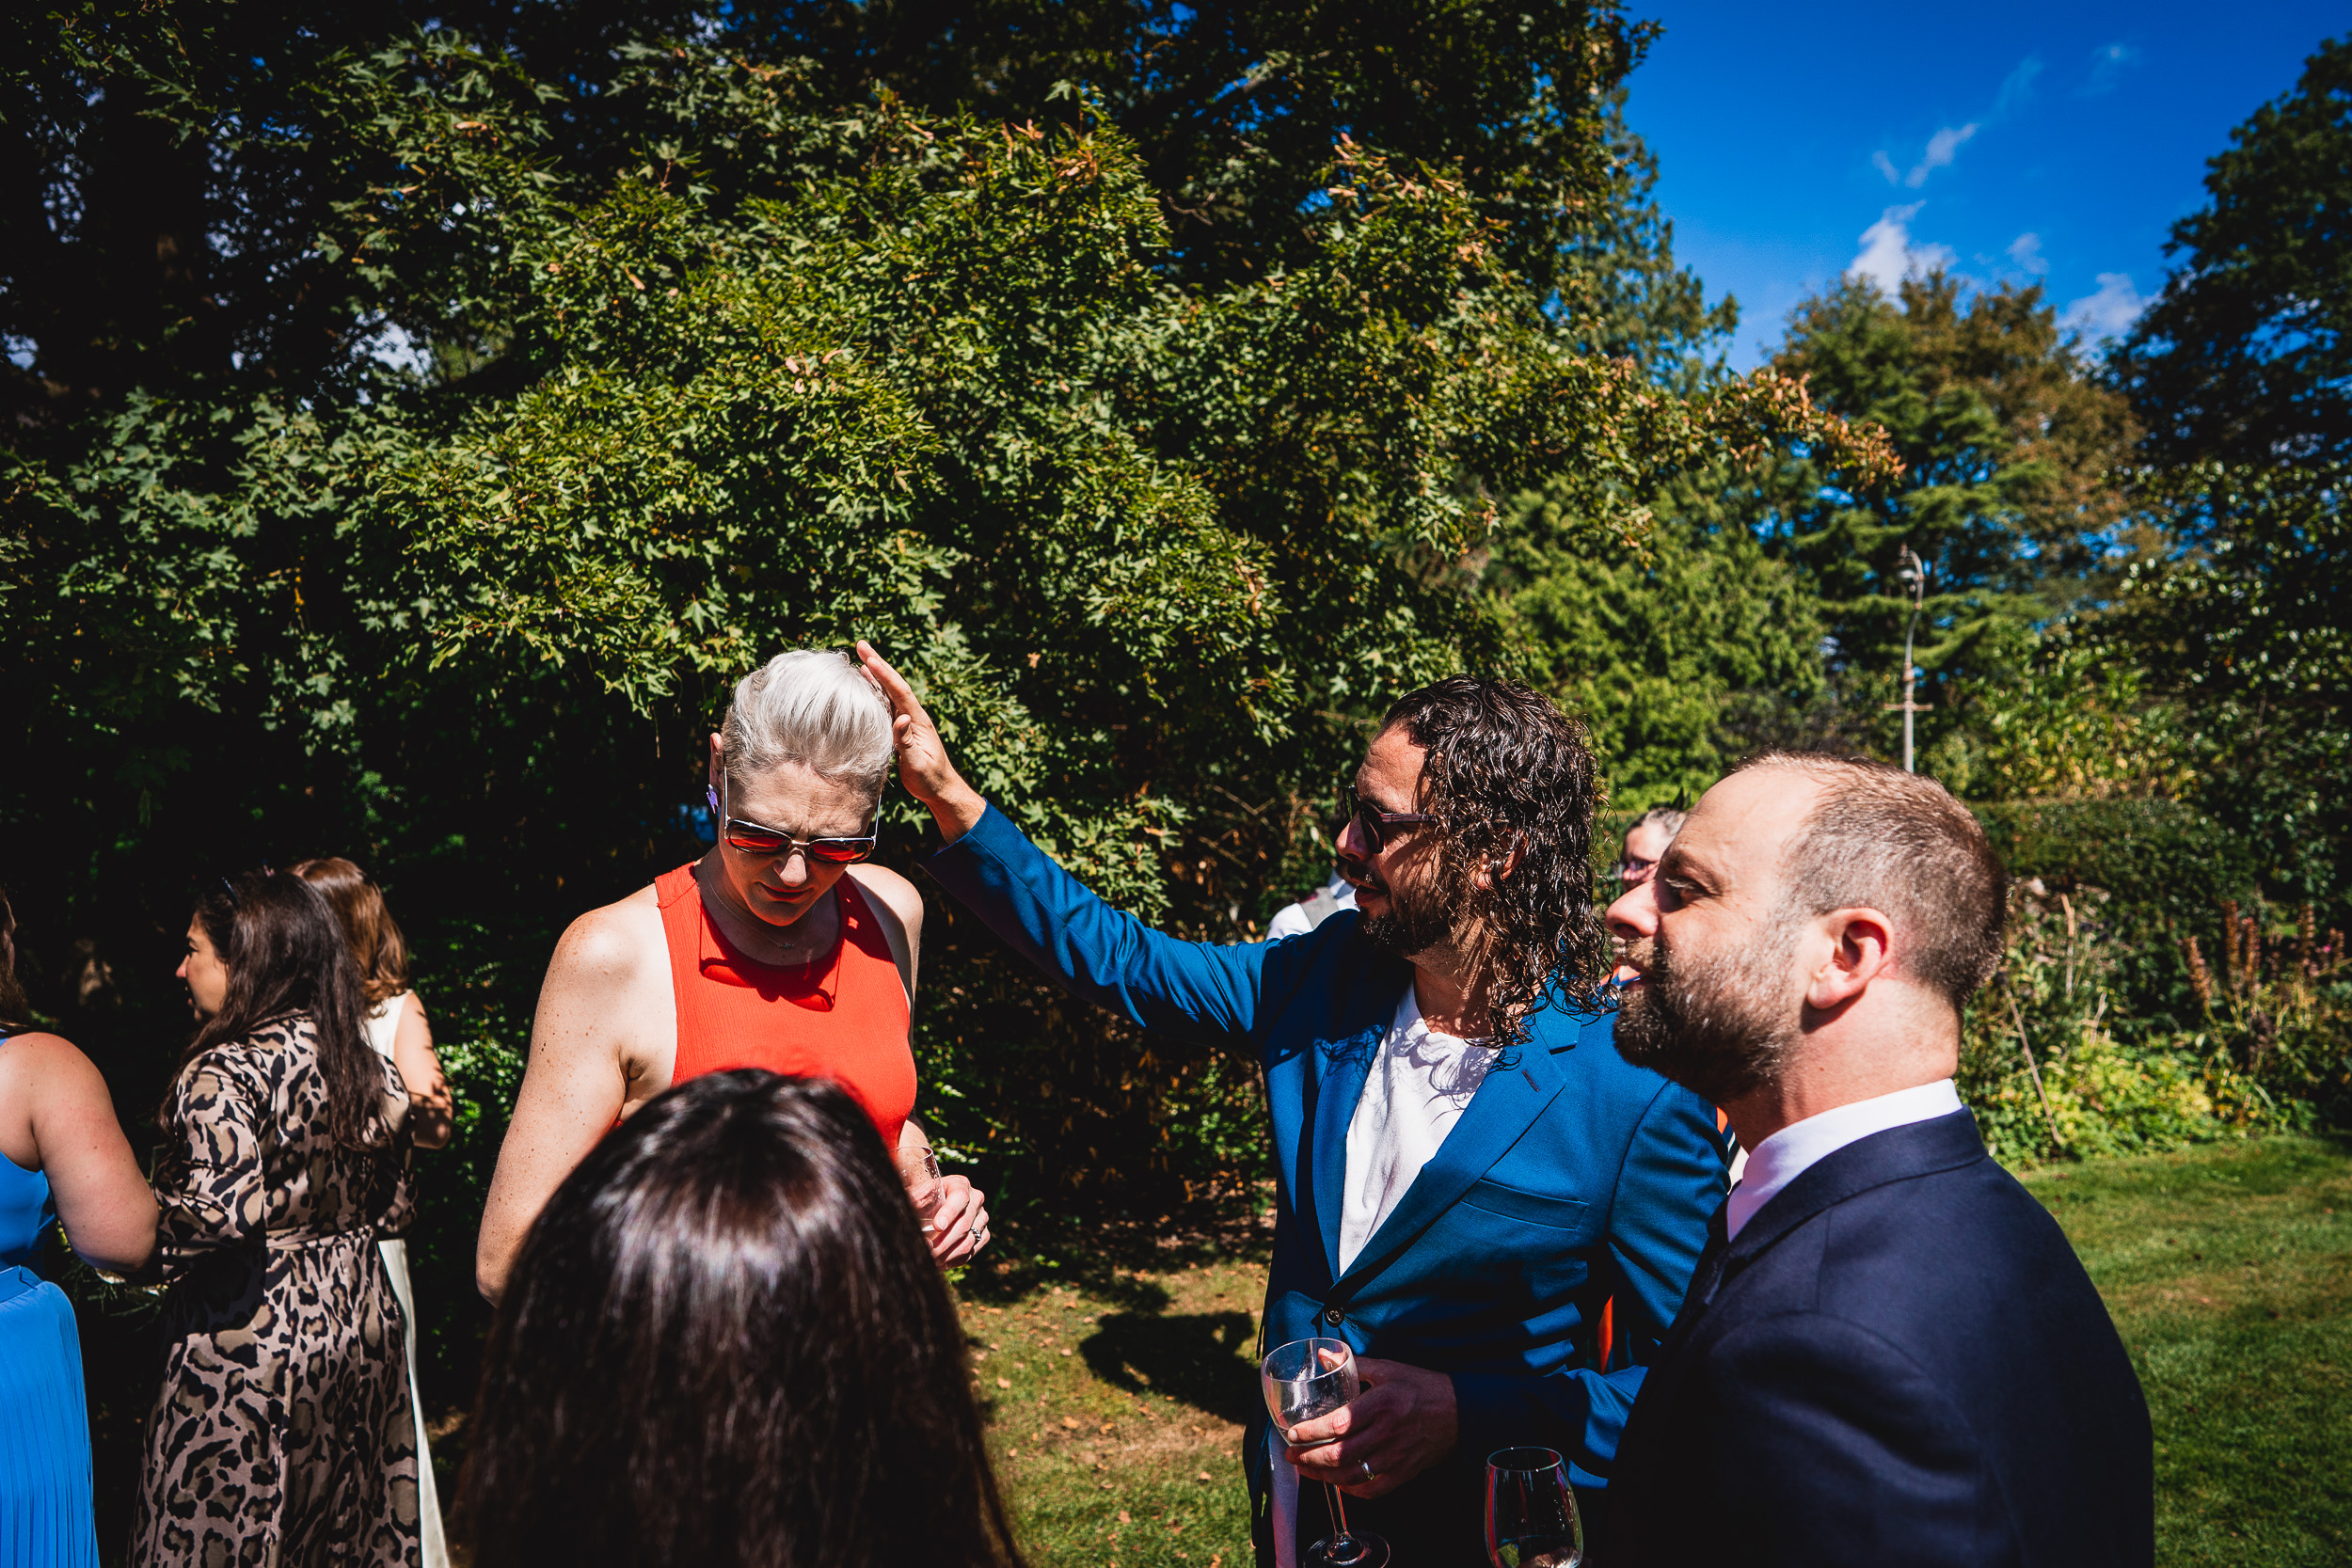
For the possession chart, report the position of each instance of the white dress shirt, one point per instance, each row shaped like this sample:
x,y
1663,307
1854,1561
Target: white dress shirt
x,y
1801,1144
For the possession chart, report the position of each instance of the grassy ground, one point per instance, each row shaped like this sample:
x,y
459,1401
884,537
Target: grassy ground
x,y
2230,1274
1115,1393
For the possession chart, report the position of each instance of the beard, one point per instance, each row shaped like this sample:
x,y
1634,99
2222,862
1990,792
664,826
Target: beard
x,y
1721,1024
1418,918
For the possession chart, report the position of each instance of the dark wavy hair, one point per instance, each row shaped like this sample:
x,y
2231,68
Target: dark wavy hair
x,y
726,1344
1508,772
285,954
16,1013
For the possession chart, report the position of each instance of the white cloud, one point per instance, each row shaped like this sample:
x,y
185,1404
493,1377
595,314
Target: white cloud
x,y
1885,166
1888,255
2016,85
2026,250
2107,313
1940,149
2108,64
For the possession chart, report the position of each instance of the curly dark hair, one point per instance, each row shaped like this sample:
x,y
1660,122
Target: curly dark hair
x,y
1506,771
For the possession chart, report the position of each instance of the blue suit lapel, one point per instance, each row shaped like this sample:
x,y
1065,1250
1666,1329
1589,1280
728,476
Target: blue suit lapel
x,y
1338,1087
1504,1107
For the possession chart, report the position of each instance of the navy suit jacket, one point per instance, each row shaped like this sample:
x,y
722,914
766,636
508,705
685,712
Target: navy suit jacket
x,y
1572,1178
1900,1360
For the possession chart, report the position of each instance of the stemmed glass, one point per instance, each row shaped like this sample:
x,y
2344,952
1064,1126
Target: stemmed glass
x,y
918,1167
1302,1380
1530,1511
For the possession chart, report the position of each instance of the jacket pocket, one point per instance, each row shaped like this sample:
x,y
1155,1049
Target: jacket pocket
x,y
1560,1213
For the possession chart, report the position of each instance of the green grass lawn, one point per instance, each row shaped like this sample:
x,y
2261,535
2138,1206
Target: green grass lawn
x,y
1116,1392
2229,1271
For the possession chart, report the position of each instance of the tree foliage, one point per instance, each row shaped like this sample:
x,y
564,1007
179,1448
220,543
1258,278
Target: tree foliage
x,y
2246,357
2005,440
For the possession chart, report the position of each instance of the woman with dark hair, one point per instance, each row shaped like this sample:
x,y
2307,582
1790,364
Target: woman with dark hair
x,y
727,1341
282,1429
397,1031
63,1157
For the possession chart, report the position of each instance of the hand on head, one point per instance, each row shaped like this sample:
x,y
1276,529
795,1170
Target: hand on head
x,y
923,765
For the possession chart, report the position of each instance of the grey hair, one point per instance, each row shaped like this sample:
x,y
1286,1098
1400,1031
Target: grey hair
x,y
813,707
1664,818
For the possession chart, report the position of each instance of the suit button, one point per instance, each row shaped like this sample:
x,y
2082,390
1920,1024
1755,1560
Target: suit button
x,y
1333,1316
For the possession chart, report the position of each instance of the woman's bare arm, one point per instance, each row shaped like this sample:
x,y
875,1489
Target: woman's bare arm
x,y
69,1130
432,1108
576,1078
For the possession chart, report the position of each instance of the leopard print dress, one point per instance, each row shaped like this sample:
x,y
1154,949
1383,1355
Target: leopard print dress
x,y
283,1433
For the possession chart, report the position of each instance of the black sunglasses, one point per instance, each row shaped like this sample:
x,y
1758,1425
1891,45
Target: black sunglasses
x,y
1369,822
753,838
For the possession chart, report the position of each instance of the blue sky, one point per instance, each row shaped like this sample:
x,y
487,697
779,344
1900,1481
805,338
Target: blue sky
x,y
2053,142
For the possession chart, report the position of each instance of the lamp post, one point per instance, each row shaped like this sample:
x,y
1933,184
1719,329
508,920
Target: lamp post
x,y
1913,576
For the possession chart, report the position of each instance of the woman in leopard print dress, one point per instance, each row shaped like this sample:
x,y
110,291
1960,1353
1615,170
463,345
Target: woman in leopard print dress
x,y
282,1432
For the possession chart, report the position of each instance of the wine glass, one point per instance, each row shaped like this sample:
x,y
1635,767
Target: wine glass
x,y
1302,1380
1530,1511
918,1167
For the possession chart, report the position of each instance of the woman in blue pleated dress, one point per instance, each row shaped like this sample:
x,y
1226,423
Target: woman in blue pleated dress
x,y
62,1158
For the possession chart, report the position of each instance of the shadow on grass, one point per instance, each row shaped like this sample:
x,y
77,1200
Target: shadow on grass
x,y
1189,1357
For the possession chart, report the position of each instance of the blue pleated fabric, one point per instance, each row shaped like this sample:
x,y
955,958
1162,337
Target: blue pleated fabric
x,y
46,1518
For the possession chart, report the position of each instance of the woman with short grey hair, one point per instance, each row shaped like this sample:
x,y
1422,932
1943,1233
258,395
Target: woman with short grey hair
x,y
783,947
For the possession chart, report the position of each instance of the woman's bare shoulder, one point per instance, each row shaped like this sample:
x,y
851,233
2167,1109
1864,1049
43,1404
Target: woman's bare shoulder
x,y
896,893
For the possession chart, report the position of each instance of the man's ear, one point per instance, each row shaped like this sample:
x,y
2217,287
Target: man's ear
x,y
1488,873
1861,949
718,757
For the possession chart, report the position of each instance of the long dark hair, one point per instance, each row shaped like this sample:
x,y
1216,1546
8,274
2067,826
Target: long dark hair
x,y
726,1343
1508,772
285,954
16,1014
377,945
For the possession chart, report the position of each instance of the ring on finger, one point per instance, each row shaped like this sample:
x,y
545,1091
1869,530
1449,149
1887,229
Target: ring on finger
x,y
1369,1474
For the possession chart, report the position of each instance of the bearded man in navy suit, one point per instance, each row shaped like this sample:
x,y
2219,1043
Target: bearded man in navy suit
x,y
1890,1353
1473,1189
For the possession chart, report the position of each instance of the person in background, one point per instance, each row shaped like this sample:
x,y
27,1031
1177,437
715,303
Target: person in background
x,y
779,948
1891,1353
1292,920
1473,1190
397,1030
282,1430
723,1340
63,1159
1645,841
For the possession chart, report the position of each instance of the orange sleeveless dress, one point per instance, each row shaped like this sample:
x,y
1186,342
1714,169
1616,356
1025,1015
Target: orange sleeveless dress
x,y
845,1019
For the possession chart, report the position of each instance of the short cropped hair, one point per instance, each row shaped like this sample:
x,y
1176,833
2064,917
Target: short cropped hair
x,y
815,707
1666,819
1884,839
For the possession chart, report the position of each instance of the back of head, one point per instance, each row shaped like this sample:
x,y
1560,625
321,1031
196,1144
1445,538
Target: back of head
x,y
1884,839
1512,779
377,946
285,954
724,1342
813,707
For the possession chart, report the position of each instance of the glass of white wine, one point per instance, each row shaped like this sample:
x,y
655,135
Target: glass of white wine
x,y
1530,1511
918,1167
1302,1380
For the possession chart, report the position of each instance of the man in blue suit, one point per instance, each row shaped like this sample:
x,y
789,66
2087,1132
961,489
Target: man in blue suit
x,y
1471,1181
1890,1353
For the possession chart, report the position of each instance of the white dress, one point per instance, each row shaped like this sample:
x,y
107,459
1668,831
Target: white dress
x,y
382,1027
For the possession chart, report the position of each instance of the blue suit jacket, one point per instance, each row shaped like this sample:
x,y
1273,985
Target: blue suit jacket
x,y
1571,1178
1900,1360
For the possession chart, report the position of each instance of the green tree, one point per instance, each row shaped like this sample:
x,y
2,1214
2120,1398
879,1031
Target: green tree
x,y
2007,441
1667,645
2246,357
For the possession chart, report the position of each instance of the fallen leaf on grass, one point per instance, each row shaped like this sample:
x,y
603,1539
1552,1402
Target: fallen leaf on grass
x,y
1125,1518
1203,1476
1004,1382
